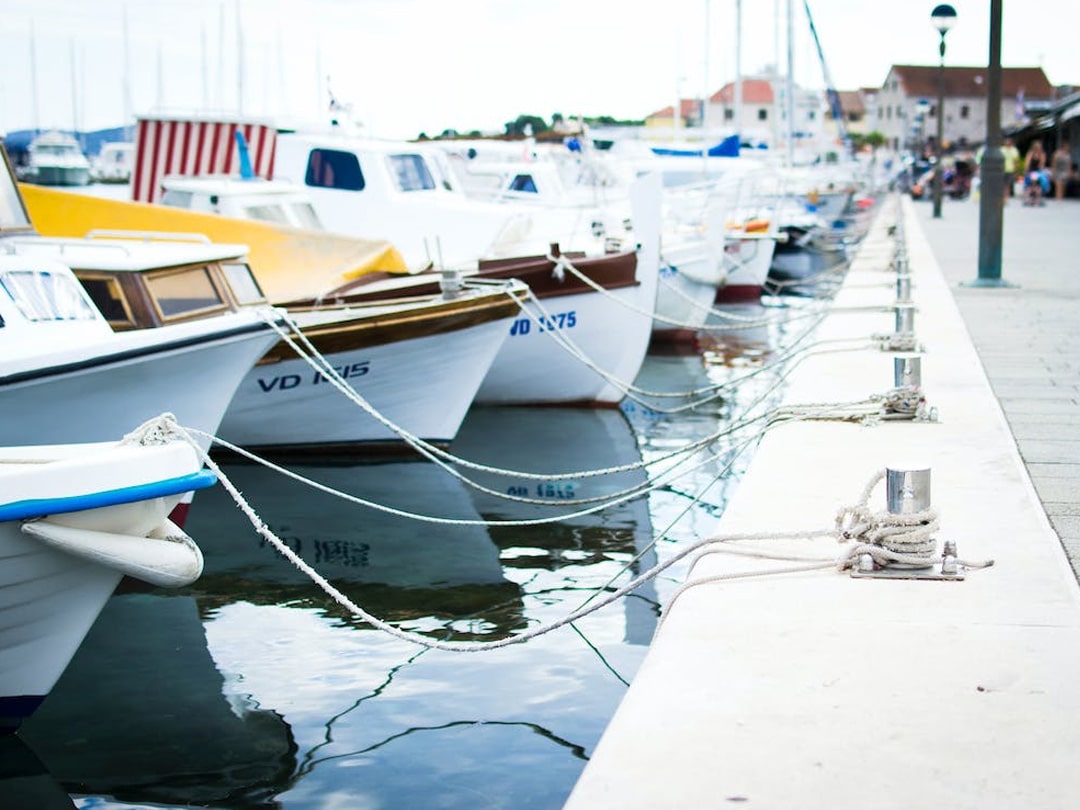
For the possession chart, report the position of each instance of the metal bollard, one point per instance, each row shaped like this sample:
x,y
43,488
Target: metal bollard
x,y
907,371
905,319
903,288
907,491
451,283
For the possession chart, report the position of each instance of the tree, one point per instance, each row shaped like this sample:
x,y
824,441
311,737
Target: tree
x,y
519,124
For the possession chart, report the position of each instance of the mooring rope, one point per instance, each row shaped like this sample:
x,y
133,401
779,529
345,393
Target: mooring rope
x,y
866,526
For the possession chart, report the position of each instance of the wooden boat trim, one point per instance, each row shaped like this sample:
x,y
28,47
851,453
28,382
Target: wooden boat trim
x,y
612,271
365,332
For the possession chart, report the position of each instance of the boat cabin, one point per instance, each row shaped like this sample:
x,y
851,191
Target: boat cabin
x,y
242,198
137,283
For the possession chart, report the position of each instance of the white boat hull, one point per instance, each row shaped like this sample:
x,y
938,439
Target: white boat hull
x,y
749,259
53,585
611,329
423,385
78,402
689,280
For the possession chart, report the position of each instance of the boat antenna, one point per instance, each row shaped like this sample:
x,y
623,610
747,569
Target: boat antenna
x,y
246,172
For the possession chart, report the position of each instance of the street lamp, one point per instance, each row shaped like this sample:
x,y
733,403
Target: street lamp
x,y
943,16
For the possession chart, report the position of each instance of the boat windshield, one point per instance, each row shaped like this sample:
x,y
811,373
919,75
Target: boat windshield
x,y
411,173
42,295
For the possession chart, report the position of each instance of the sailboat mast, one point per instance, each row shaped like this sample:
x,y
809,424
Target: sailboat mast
x,y
738,71
790,86
705,87
128,105
33,79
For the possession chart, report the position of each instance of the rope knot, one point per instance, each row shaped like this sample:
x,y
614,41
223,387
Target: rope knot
x,y
907,539
159,430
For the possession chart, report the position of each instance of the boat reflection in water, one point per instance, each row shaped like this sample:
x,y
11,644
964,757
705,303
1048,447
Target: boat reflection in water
x,y
140,715
594,547
253,688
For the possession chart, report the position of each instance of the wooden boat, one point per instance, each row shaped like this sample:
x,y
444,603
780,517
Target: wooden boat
x,y
74,519
417,362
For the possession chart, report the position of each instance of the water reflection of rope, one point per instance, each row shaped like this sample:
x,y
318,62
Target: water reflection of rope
x,y
842,533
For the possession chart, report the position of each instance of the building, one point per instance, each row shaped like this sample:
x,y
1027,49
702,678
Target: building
x,y
764,110
689,116
905,109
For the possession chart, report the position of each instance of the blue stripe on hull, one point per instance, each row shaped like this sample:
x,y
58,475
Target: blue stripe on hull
x,y
38,507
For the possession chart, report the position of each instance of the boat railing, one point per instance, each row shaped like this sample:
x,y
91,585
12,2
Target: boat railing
x,y
63,242
149,236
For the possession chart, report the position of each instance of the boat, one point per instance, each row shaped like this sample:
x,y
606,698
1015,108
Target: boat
x,y
113,163
417,362
253,198
57,348
582,336
610,321
75,519
55,159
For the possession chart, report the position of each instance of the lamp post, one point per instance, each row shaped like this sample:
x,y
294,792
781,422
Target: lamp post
x,y
943,16
992,170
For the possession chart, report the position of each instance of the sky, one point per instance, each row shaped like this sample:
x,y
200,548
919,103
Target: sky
x,y
411,66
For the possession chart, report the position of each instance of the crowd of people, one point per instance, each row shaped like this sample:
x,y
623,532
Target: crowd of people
x,y
1039,175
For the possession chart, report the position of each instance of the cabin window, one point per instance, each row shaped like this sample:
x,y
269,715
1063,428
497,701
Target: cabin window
x,y
306,216
106,293
41,295
266,213
330,168
182,293
523,182
177,199
411,173
243,283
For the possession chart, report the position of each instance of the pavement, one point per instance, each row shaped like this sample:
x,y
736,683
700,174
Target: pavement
x,y
777,680
1027,336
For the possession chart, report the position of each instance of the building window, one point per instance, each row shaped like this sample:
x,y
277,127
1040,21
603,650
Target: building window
x,y
888,113
933,111
762,114
965,111
729,114
810,115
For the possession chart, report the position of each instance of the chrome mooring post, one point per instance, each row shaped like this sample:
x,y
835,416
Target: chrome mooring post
x,y
907,371
907,492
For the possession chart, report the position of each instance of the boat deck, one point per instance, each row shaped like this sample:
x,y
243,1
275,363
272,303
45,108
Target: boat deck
x,y
817,689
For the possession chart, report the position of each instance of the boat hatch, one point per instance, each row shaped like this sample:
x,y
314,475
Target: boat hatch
x,y
333,168
44,295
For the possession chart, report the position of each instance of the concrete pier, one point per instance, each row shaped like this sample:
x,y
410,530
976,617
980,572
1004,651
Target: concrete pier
x,y
818,689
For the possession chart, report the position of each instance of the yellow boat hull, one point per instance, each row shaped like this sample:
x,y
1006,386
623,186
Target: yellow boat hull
x,y
289,263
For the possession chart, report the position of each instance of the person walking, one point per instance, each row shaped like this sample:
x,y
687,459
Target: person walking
x,y
1061,166
1012,164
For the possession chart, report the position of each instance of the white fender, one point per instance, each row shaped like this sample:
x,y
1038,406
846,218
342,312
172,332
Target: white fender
x,y
166,556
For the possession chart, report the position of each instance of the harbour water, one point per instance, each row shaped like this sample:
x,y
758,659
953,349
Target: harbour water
x,y
254,689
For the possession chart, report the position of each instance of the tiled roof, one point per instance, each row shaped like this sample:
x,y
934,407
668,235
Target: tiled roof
x,y
754,91
851,101
688,106
922,81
